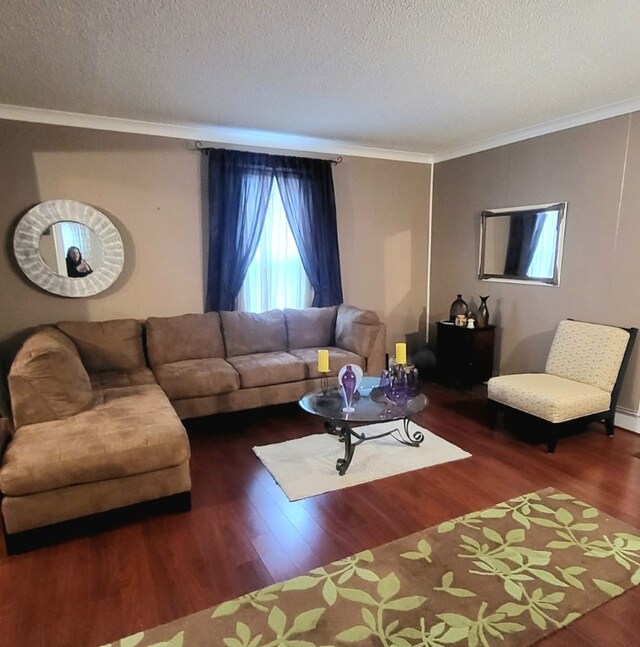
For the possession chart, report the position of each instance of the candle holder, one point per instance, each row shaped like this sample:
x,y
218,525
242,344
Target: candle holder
x,y
324,382
394,365
400,382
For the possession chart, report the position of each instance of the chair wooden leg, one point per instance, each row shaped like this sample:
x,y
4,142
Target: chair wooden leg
x,y
492,413
552,440
609,426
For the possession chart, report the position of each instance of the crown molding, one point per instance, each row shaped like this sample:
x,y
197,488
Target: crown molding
x,y
578,119
284,141
207,133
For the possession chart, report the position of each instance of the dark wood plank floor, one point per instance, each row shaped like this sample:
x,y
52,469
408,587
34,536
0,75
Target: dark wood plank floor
x,y
243,533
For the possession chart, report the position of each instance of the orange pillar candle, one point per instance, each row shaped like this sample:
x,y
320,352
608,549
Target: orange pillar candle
x,y
323,361
401,353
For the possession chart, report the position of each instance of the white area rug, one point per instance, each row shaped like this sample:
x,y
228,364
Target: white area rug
x,y
306,466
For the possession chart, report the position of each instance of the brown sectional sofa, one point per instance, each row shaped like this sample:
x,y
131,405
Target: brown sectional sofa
x,y
98,425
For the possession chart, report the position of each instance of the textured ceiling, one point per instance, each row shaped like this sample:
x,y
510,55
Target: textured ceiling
x,y
412,75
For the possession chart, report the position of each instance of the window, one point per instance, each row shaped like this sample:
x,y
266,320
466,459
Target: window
x,y
276,277
242,188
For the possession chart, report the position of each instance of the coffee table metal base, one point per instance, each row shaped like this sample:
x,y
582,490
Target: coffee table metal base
x,y
351,439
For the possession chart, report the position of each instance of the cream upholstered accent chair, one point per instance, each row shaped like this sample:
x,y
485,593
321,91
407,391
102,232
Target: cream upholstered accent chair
x,y
581,380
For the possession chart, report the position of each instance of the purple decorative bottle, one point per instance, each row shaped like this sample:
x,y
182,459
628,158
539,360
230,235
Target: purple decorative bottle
x,y
349,387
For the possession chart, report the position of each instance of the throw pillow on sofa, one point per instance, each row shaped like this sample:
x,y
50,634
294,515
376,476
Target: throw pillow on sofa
x,y
246,333
191,336
47,380
311,327
107,345
356,330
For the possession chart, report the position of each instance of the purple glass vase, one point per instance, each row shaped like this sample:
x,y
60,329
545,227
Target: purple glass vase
x,y
399,387
349,388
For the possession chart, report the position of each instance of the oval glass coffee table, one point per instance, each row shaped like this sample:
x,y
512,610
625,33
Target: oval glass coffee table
x,y
371,406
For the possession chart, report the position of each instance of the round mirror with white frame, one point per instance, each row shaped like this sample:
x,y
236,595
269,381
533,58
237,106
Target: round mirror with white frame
x,y
68,248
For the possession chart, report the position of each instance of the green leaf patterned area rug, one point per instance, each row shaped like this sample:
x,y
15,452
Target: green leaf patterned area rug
x,y
508,575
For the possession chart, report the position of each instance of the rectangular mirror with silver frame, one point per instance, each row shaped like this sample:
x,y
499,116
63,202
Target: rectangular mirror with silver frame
x,y
523,244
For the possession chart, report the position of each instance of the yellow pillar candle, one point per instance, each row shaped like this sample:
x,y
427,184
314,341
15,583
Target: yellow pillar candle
x,y
323,361
401,353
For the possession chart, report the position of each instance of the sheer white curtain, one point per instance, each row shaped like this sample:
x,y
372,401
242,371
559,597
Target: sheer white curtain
x,y
75,234
276,278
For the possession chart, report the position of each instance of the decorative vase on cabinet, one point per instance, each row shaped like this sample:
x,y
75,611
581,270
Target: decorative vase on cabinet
x,y
482,316
458,307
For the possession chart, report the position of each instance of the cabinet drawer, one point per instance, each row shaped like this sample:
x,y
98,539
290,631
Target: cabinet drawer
x,y
464,356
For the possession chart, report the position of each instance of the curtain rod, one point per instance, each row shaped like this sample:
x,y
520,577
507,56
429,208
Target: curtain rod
x,y
203,148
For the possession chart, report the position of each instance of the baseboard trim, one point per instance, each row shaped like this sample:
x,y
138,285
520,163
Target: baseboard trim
x,y
627,419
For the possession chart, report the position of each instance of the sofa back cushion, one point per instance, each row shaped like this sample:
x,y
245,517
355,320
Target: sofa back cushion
x,y
310,327
246,332
191,336
588,353
356,329
107,345
47,380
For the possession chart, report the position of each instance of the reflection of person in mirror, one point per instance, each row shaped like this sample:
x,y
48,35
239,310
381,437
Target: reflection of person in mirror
x,y
76,265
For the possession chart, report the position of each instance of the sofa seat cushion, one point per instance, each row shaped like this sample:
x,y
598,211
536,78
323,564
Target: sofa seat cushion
x,y
133,434
193,378
263,369
337,359
107,345
549,397
119,379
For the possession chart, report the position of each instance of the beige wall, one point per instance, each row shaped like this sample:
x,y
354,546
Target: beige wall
x,y
151,188
383,215
584,166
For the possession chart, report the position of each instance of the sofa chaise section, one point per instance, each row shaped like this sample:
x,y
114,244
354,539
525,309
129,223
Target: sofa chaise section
x,y
85,444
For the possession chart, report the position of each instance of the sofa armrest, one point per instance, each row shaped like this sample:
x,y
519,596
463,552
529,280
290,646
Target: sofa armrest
x,y
377,359
6,431
361,332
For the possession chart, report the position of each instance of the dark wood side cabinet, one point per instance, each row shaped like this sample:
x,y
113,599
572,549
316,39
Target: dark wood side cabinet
x,y
464,356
